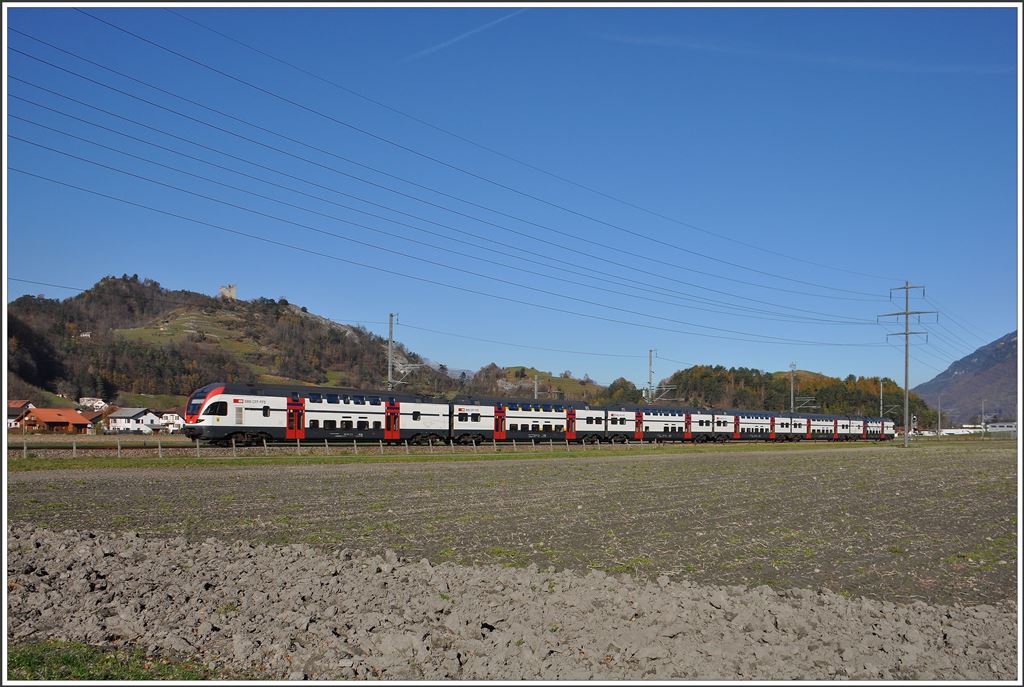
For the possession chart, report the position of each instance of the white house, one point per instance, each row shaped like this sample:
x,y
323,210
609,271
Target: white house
x,y
134,420
92,403
172,422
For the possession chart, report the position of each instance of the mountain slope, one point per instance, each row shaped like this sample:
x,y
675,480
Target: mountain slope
x,y
988,374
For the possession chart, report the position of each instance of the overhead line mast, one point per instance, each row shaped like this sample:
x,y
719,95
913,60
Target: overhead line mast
x,y
906,313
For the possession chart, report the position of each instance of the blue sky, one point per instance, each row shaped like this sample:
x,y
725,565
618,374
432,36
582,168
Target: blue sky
x,y
809,160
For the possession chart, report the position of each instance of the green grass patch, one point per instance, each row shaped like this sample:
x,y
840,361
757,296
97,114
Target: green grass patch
x,y
59,660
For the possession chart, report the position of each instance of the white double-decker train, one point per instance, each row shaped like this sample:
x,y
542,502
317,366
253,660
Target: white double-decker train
x,y
253,413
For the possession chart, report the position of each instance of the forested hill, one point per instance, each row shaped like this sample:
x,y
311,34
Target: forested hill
x,y
742,387
131,336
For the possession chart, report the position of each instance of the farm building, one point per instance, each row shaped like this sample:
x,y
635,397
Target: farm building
x,y
53,420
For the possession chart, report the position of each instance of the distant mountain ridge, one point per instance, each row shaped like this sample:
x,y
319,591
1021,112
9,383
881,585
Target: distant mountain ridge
x,y
988,374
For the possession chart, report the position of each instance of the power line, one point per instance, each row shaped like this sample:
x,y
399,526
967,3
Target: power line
x,y
245,160
517,345
420,154
407,255
512,158
424,279
646,258
971,329
380,231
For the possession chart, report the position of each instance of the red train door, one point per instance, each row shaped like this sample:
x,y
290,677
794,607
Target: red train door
x,y
689,428
808,428
392,421
296,427
771,431
638,433
499,423
735,426
570,423
864,429
835,429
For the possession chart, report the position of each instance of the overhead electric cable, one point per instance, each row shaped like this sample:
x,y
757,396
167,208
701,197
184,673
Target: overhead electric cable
x,y
418,258
436,160
389,234
517,345
425,279
646,258
516,160
221,152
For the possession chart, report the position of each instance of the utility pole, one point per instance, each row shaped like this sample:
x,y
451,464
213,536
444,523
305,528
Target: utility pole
x,y
906,313
535,387
650,375
880,383
391,348
984,428
938,426
792,402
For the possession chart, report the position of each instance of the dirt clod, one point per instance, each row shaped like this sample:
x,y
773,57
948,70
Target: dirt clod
x,y
296,612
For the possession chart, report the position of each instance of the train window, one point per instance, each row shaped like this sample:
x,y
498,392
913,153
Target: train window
x,y
546,428
416,415
376,424
266,411
559,409
217,408
646,428
291,420
513,428
295,395
346,424
463,417
314,424
590,420
375,401
362,424
535,427
358,400
315,398
332,398
559,428
475,417
330,424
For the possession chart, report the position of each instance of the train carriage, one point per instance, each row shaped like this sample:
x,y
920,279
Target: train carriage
x,y
250,413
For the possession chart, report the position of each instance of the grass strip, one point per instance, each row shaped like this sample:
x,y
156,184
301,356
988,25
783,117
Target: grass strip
x,y
62,660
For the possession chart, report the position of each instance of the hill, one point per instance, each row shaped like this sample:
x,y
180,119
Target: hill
x,y
988,374
129,337
742,387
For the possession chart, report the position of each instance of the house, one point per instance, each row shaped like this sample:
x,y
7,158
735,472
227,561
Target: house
x,y
15,409
93,403
94,418
173,420
53,420
133,420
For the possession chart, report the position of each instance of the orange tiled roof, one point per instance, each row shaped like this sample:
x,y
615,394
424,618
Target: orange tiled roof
x,y
59,415
17,404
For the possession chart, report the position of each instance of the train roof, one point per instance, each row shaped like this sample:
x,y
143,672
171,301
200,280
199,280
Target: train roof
x,y
258,389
